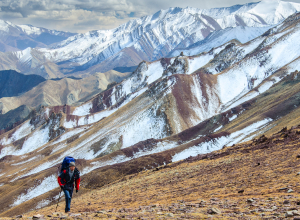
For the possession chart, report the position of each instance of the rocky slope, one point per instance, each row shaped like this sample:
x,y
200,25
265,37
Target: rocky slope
x,y
254,180
19,37
166,111
150,38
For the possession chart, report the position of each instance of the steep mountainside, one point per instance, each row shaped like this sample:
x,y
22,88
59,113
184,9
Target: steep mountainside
x,y
19,37
13,83
255,180
150,38
165,111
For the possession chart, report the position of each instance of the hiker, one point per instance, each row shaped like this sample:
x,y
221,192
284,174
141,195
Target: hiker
x,y
66,180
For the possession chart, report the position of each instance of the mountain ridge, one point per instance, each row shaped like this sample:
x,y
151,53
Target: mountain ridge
x,y
19,37
148,38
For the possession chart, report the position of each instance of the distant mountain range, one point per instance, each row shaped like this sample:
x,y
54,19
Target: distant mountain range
x,y
19,37
165,33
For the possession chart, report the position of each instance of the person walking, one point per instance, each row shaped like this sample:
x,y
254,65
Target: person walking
x,y
66,180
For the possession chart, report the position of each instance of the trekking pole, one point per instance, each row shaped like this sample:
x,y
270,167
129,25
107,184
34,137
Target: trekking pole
x,y
58,200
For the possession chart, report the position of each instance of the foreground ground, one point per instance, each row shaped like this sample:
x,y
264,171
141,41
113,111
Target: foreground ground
x,y
255,180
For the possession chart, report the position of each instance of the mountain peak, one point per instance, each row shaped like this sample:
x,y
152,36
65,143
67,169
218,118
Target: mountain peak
x,y
155,36
266,7
25,36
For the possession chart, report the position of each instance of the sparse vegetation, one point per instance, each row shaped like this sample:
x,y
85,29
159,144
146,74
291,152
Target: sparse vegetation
x,y
254,180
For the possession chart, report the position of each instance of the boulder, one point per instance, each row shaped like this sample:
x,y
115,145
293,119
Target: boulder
x,y
77,214
214,211
57,213
274,208
38,216
286,202
296,213
292,213
171,215
250,200
284,188
289,214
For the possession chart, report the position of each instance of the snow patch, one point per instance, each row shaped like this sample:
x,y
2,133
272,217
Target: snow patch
x,y
218,143
21,132
42,204
46,185
232,117
69,134
35,141
24,55
218,128
162,146
90,119
198,62
154,72
83,109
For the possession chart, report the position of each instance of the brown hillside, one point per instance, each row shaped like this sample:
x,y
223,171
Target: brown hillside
x,y
254,180
65,91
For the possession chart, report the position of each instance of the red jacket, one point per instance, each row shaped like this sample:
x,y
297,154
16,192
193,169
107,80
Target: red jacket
x,y
67,182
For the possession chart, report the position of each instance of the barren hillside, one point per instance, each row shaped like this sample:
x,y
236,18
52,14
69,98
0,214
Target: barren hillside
x,y
254,180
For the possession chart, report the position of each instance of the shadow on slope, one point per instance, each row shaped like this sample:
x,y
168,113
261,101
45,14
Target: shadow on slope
x,y
13,83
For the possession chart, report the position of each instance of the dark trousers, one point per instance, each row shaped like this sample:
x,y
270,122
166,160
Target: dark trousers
x,y
68,196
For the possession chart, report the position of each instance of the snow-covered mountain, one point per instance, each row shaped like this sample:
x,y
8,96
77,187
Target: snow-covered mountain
x,y
153,37
167,110
19,37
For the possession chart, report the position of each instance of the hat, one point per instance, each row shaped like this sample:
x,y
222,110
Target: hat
x,y
72,164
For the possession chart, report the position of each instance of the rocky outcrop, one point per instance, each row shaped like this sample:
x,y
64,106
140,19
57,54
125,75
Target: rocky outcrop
x,y
55,128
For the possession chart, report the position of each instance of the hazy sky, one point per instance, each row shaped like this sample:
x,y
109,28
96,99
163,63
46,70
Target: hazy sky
x,y
85,15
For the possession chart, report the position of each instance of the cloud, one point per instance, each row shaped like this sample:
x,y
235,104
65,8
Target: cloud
x,y
84,15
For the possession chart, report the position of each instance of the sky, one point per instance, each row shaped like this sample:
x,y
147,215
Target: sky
x,y
80,16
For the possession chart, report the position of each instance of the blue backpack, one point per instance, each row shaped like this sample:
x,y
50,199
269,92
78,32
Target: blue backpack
x,y
66,162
